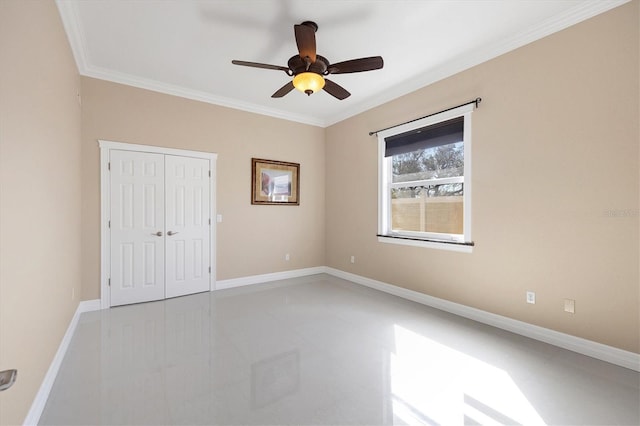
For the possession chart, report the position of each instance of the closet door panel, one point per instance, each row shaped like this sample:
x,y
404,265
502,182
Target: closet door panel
x,y
137,216
187,223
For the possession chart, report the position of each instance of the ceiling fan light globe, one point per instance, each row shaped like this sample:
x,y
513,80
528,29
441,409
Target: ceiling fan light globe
x,y
308,82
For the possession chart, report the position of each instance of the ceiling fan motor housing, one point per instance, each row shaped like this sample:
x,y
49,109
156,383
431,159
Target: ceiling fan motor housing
x,y
298,65
311,24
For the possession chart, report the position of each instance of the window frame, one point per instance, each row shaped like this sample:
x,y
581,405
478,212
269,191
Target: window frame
x,y
456,242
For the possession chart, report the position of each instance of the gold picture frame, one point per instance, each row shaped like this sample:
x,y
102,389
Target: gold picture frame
x,y
275,182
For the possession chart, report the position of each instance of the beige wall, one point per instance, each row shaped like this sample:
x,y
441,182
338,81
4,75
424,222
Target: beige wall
x,y
39,195
555,147
251,239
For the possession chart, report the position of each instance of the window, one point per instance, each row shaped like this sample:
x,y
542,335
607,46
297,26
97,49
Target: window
x,y
424,181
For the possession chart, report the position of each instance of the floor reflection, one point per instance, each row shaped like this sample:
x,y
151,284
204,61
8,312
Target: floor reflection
x,y
322,351
434,384
274,378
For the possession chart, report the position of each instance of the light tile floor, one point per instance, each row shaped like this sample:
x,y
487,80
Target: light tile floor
x,y
321,350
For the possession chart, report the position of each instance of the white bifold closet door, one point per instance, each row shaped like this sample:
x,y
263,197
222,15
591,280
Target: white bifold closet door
x,y
187,223
160,226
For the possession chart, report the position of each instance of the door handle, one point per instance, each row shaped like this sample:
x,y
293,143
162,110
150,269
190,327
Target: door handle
x,y
157,234
170,233
7,378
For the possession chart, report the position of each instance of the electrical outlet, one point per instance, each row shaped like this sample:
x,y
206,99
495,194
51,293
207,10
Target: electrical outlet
x,y
531,297
353,259
570,306
287,257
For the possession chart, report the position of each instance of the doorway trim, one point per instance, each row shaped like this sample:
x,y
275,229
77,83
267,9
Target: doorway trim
x,y
105,242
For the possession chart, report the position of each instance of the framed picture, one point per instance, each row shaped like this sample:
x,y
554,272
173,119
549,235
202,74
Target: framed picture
x,y
275,182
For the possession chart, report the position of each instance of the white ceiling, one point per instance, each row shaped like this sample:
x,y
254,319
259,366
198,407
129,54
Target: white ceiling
x,y
185,47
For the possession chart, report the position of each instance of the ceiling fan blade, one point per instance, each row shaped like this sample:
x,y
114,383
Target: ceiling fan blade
x,y
283,90
265,66
306,41
356,65
335,90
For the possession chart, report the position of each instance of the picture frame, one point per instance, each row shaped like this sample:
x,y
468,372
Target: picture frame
x,y
275,182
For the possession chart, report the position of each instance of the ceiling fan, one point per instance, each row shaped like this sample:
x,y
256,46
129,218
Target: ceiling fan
x,y
308,69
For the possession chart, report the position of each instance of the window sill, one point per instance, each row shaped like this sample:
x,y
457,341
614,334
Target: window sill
x,y
416,242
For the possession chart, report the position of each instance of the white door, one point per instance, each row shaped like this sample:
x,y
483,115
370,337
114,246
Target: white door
x,y
137,227
187,224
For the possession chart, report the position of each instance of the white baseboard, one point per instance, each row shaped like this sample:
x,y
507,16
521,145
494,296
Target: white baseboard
x,y
590,348
89,306
275,276
33,416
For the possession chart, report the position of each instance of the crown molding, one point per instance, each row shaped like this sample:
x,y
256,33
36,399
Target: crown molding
x,y
69,15
550,26
196,95
73,27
